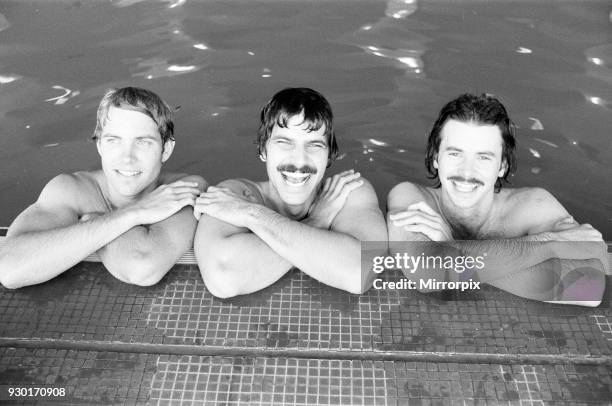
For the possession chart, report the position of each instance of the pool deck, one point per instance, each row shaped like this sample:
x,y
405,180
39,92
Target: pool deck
x,y
297,342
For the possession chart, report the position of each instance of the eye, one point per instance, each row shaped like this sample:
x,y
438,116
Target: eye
x,y
143,142
317,146
485,158
110,140
453,153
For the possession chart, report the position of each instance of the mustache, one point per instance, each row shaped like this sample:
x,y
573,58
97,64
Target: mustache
x,y
466,180
293,168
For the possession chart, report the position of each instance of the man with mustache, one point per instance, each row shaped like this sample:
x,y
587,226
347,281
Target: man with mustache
x,y
251,233
136,217
470,153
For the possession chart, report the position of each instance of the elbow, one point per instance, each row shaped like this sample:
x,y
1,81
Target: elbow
x,y
219,281
9,281
9,274
217,275
141,269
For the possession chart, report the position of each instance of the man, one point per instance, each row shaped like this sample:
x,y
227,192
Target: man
x,y
251,233
137,218
470,152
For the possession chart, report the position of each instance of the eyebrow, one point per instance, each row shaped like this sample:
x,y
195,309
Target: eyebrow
x,y
140,137
488,153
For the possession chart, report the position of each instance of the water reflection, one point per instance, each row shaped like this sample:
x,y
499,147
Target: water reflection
x,y
536,124
4,24
63,98
401,8
9,78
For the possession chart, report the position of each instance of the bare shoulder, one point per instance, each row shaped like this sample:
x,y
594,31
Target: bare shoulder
x,y
404,194
530,198
246,188
57,205
363,196
532,209
361,216
66,188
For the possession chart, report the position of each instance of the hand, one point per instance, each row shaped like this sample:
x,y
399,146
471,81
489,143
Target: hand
x,y
225,205
567,229
420,218
164,201
332,198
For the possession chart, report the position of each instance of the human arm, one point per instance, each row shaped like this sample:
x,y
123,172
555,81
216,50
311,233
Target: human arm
x,y
278,243
46,239
411,218
332,256
232,260
146,252
545,231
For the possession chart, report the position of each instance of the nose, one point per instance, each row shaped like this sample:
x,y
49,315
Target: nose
x,y
466,169
128,152
298,156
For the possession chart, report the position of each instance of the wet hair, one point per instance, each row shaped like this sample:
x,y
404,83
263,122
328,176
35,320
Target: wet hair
x,y
484,109
140,100
295,101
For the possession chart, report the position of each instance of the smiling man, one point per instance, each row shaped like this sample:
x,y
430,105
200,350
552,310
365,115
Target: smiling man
x,y
251,233
137,218
470,153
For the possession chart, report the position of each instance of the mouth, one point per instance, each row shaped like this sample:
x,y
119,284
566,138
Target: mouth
x,y
464,187
127,174
295,178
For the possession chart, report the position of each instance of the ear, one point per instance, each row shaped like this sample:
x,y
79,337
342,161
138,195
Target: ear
x,y
98,146
435,161
262,156
168,148
502,169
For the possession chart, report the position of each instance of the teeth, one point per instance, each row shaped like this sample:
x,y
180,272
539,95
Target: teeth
x,y
465,186
295,178
127,173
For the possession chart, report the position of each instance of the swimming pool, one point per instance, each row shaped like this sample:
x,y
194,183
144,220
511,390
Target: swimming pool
x,y
387,68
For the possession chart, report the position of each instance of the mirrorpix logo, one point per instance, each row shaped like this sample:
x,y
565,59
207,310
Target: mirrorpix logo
x,y
409,264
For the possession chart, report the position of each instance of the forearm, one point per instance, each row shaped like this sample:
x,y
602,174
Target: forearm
x,y
144,254
239,264
330,257
34,257
502,257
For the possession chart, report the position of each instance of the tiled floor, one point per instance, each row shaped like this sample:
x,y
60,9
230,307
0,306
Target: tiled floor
x,y
297,343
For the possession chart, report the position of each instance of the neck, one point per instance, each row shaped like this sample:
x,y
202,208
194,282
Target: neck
x,y
115,200
294,212
466,222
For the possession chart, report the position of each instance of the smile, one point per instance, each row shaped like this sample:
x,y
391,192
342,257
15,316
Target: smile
x,y
128,174
465,187
295,178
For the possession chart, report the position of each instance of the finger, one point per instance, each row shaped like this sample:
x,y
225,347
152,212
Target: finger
x,y
418,218
326,185
182,183
184,189
337,177
344,180
186,195
350,186
424,207
401,214
423,229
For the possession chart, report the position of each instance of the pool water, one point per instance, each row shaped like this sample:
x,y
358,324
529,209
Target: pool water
x,y
386,68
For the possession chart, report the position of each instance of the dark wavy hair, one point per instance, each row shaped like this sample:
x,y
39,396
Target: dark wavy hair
x,y
295,101
141,100
484,109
